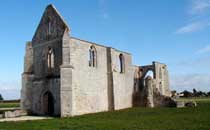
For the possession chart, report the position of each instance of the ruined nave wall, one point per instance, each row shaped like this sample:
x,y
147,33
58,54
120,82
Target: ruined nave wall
x,y
89,84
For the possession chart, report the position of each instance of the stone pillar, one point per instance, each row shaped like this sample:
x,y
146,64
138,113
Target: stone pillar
x,y
26,92
149,87
66,78
162,81
110,80
66,91
27,79
167,83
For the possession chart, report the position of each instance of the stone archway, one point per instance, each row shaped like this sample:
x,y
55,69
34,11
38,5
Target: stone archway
x,y
48,103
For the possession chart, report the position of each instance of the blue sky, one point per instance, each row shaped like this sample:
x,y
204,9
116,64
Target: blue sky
x,y
175,32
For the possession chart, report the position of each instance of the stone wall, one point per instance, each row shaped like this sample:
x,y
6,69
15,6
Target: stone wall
x,y
77,87
38,91
160,74
46,80
40,59
162,78
88,89
51,26
160,84
122,82
66,78
38,78
89,84
27,78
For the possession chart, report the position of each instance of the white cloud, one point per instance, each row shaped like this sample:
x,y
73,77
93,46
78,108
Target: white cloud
x,y
190,81
196,74
204,50
199,6
103,9
198,11
192,27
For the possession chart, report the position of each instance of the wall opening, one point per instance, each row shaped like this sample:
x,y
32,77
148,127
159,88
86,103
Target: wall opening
x,y
48,103
50,60
49,26
92,56
122,63
148,73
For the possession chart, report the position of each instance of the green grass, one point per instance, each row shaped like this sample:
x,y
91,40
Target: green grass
x,y
195,99
9,105
130,119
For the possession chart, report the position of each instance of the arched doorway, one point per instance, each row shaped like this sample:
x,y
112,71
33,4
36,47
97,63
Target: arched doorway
x,y
48,103
149,73
146,72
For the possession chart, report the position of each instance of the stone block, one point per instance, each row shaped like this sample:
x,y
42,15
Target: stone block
x,y
180,104
16,113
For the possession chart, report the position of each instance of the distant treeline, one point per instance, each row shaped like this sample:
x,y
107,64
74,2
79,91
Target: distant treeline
x,y
1,98
10,101
195,93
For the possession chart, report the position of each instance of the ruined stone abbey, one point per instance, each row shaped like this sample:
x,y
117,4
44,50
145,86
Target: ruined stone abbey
x,y
66,76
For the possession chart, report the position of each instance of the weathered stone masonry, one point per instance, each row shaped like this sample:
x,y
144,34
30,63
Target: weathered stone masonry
x,y
66,76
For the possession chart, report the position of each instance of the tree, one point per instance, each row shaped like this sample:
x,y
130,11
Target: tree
x,y
173,93
1,98
208,93
187,93
194,92
201,94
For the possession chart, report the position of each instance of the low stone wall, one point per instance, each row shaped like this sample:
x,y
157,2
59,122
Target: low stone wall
x,y
180,104
12,114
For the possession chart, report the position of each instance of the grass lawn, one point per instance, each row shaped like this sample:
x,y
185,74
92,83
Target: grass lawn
x,y
194,99
130,119
9,105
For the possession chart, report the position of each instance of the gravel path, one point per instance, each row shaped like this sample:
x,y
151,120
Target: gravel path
x,y
10,108
24,118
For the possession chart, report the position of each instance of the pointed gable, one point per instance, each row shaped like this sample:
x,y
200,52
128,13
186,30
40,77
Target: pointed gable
x,y
51,26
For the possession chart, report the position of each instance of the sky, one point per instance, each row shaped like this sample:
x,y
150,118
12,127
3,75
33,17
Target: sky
x,y
174,32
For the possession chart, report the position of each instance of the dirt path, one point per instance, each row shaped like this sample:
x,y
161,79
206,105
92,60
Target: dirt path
x,y
24,118
10,108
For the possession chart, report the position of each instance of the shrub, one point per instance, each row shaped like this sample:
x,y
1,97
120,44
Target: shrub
x,y
1,98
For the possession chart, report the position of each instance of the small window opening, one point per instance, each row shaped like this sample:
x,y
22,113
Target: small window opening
x,y
49,26
122,63
92,56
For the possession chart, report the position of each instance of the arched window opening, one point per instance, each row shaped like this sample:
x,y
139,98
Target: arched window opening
x,y
50,59
149,73
92,56
122,63
49,26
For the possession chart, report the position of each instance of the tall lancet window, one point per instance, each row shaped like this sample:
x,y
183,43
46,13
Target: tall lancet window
x,y
50,59
92,56
49,26
122,63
